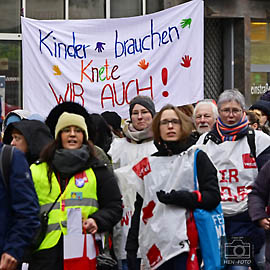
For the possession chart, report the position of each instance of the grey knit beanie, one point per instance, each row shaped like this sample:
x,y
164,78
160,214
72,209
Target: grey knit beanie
x,y
145,101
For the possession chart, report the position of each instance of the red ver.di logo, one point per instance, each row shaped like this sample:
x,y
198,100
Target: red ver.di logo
x,y
249,162
142,168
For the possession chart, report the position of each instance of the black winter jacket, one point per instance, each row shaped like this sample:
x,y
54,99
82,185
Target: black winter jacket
x,y
109,197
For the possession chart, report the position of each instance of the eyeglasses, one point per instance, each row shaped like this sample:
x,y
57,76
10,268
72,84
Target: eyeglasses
x,y
228,111
166,122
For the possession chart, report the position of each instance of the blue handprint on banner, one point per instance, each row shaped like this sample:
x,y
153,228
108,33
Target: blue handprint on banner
x,y
99,46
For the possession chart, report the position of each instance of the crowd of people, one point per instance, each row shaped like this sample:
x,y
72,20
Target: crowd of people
x,y
133,180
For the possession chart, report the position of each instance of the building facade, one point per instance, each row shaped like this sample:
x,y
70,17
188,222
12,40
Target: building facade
x,y
236,39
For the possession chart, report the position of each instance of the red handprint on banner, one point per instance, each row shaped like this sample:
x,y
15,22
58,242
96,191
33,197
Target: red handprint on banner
x,y
186,61
143,65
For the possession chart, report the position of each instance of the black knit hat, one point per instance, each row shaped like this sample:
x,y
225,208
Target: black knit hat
x,y
113,119
70,107
145,101
262,105
266,96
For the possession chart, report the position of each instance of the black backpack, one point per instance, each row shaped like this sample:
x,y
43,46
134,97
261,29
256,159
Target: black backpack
x,y
5,163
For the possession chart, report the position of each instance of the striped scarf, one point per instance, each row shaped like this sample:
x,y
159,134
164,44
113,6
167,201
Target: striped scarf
x,y
229,133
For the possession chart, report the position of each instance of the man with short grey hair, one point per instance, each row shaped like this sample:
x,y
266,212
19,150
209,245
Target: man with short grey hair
x,y
205,115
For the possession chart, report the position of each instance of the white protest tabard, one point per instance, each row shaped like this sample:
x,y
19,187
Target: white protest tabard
x,y
103,63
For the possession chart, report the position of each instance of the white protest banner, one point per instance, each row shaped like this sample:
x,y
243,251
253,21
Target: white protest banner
x,y
103,63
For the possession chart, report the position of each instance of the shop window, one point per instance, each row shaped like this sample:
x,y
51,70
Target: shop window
x,y
125,8
10,16
86,9
45,9
260,59
10,67
154,6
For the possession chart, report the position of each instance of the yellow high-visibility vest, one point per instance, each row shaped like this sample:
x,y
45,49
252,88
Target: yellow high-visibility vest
x,y
80,192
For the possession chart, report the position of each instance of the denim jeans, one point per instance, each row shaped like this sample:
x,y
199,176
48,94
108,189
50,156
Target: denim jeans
x,y
123,264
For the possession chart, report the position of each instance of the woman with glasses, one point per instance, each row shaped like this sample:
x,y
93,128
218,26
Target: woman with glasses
x,y
229,145
165,187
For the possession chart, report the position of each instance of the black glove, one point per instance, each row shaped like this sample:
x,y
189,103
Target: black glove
x,y
180,197
165,197
131,258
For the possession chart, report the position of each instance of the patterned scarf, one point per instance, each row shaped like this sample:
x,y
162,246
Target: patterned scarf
x,y
229,133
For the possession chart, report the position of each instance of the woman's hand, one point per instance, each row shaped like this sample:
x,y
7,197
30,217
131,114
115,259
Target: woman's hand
x,y
8,262
174,197
265,223
90,225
